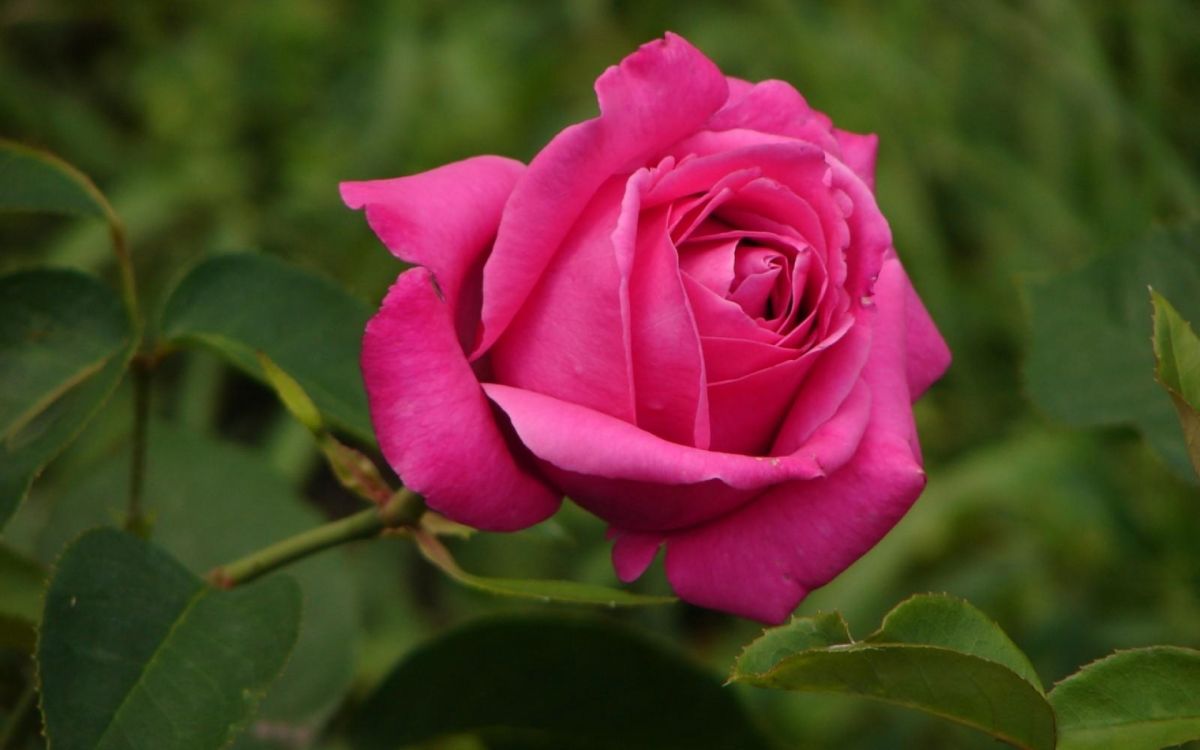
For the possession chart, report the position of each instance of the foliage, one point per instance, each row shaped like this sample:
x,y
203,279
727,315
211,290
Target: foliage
x,y
135,650
1026,151
1177,352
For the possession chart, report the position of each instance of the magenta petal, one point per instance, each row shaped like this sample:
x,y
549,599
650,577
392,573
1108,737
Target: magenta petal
x,y
585,289
775,107
633,552
832,377
844,203
738,87
656,96
434,424
722,318
640,482
762,559
745,413
870,233
710,263
727,359
591,443
443,219
656,509
651,507
858,153
928,355
668,366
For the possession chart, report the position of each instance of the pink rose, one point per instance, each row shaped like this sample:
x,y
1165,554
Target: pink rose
x,y
686,314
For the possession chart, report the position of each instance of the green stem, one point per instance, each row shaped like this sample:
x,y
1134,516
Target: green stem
x,y
143,362
16,721
404,509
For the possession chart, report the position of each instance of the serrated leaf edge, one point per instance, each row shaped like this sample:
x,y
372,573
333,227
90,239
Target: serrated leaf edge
x,y
865,646
958,599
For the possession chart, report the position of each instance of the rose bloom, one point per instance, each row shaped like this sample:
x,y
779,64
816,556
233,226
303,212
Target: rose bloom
x,y
685,314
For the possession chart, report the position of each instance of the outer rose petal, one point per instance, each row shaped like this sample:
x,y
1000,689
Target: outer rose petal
x,y
858,153
443,219
657,95
775,107
762,559
434,424
632,553
637,480
928,355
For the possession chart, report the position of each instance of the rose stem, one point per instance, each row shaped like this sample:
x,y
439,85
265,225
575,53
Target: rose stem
x,y
404,509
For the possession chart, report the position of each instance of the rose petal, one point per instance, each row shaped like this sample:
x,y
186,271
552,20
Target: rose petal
x,y
858,152
589,442
639,481
632,553
775,107
647,506
830,190
656,96
689,211
710,263
723,318
635,505
443,219
738,87
668,366
746,413
727,359
749,157
928,354
827,385
761,560
584,289
434,425
869,230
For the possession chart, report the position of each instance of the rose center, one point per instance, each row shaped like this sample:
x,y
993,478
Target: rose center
x,y
761,285
774,280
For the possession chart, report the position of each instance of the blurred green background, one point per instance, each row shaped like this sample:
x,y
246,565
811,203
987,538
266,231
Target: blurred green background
x,y
1018,139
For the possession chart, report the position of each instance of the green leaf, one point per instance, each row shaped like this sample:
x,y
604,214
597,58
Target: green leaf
x,y
240,305
566,682
934,653
563,592
1090,361
21,584
950,622
214,502
801,634
64,344
1177,353
292,395
135,651
1142,699
33,180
